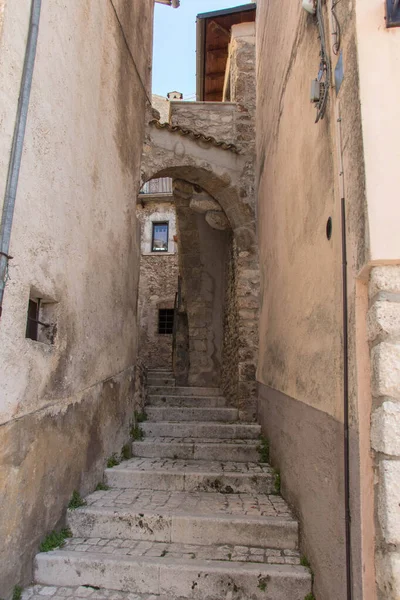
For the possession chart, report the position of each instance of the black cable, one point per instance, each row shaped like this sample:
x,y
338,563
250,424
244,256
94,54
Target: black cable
x,y
337,33
325,66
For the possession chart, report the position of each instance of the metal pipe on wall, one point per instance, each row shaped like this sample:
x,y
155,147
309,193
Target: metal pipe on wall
x,y
17,145
346,408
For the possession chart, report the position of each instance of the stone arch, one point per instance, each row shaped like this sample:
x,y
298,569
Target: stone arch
x,y
222,175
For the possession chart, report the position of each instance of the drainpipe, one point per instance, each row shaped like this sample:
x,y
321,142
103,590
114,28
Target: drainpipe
x,y
346,420
17,146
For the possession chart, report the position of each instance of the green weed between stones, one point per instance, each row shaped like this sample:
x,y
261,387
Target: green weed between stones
x,y
140,417
55,539
310,597
102,487
263,449
305,562
113,461
262,584
17,593
126,452
76,501
277,482
137,433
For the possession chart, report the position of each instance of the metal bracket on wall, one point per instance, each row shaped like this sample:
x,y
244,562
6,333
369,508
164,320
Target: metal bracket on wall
x,y
392,13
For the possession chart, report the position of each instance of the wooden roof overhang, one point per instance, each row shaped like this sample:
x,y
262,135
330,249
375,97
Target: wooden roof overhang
x,y
212,47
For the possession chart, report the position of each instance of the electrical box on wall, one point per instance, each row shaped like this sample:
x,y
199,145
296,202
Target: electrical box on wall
x,y
392,13
315,91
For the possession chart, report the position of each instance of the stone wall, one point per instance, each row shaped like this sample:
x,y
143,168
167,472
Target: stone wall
x,y
211,118
384,337
158,283
230,355
65,406
202,251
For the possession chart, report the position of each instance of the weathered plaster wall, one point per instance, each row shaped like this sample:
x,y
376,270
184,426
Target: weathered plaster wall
x,y
158,283
65,407
300,361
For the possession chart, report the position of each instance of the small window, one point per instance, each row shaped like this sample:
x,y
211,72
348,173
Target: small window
x,y
32,325
41,319
166,320
160,237
392,13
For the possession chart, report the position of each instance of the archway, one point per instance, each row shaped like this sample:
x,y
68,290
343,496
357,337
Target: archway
x,y
218,261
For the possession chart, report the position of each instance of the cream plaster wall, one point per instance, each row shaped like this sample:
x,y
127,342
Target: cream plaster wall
x,y
379,58
300,182
65,407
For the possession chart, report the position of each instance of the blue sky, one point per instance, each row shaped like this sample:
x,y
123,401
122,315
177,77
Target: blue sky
x,y
174,66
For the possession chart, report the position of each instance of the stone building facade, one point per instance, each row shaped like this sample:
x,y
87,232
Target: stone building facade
x,y
66,399
158,282
328,362
282,226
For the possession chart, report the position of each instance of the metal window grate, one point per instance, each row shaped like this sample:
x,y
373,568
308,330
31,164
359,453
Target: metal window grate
x,y
166,321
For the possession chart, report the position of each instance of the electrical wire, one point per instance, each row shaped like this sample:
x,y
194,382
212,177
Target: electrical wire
x,y
325,66
337,31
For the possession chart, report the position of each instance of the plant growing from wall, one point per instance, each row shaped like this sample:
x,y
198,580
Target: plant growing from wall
x,y
76,501
126,452
137,433
140,417
102,487
263,449
17,593
113,461
55,539
277,482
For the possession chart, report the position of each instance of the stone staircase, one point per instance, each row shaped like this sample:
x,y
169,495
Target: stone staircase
x,y
194,515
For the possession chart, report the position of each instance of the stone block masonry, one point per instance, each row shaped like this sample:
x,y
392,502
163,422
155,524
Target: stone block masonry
x,y
384,337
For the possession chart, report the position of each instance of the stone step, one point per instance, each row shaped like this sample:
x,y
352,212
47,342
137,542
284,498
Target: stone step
x,y
187,401
160,381
198,449
187,518
82,592
225,431
158,414
173,578
183,391
192,476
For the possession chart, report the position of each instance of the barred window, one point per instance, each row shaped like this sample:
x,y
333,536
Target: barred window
x,y
165,320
